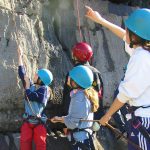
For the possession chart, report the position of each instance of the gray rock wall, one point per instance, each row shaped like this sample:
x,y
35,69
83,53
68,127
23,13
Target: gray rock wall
x,y
34,27
47,30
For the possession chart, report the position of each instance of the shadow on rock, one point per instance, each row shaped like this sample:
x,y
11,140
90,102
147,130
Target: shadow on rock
x,y
58,143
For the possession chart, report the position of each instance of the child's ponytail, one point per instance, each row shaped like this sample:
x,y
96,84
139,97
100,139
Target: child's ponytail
x,y
92,95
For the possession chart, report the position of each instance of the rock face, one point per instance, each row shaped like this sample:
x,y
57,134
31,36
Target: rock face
x,y
30,26
46,30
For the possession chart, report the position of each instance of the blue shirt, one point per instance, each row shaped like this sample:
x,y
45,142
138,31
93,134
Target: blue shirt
x,y
38,98
79,108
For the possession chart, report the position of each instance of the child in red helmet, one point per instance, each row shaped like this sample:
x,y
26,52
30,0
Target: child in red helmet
x,y
82,52
81,55
36,97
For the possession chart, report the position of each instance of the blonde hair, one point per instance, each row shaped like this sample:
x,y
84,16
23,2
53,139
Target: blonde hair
x,y
92,95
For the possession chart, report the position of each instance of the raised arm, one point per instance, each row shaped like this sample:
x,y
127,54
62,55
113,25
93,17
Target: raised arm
x,y
21,69
96,17
20,56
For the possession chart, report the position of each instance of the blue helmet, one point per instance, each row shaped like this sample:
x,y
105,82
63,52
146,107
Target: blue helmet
x,y
45,75
82,75
139,23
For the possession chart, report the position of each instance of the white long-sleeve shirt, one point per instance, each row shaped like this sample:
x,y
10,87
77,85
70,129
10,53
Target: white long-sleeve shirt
x,y
135,88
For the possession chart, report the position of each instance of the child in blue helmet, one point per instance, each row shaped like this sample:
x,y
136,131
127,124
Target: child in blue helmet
x,y
36,97
84,101
135,87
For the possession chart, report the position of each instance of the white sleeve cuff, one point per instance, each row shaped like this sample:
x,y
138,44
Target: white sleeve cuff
x,y
123,98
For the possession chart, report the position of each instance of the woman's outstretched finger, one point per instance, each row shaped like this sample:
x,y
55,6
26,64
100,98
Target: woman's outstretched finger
x,y
89,11
88,8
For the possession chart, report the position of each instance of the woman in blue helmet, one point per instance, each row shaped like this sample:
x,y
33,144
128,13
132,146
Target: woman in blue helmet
x,y
36,97
135,88
84,101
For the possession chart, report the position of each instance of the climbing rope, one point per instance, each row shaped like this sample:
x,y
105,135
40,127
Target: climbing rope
x,y
86,25
88,33
79,24
31,107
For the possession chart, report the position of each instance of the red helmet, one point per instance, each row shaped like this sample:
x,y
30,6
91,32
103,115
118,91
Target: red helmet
x,y
82,51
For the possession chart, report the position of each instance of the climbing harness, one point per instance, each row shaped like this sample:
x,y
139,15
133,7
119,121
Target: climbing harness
x,y
80,144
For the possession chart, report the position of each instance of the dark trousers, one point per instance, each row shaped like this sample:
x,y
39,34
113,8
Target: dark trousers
x,y
85,142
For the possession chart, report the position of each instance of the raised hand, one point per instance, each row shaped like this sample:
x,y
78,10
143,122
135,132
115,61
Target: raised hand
x,y
27,82
20,56
94,15
20,51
